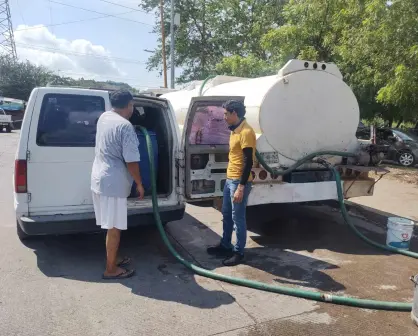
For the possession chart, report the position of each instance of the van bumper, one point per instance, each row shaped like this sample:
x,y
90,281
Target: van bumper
x,y
86,222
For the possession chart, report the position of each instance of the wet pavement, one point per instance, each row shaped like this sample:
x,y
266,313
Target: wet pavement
x,y
53,286
308,248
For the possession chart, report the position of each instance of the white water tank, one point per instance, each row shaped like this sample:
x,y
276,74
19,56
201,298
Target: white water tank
x,y
305,108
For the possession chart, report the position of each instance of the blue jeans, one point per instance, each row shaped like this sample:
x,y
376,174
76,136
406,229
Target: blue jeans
x,y
234,216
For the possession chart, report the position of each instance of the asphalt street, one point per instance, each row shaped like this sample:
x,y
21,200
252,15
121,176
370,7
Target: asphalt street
x,y
53,285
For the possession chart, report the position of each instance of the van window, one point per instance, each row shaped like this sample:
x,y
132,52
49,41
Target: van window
x,y
68,120
209,126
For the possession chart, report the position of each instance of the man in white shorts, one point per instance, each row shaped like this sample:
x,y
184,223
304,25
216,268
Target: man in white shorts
x,y
114,169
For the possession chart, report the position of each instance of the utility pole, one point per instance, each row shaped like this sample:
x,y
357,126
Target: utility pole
x,y
7,41
163,42
172,29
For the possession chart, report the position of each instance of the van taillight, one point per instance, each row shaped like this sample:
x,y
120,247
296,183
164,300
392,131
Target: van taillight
x,y
21,176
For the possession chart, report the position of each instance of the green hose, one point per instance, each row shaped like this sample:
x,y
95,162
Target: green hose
x,y
204,83
340,196
305,294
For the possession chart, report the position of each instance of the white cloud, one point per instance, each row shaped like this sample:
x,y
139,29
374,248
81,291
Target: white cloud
x,y
42,47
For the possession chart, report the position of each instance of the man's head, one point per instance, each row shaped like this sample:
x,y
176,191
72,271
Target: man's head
x,y
234,112
122,103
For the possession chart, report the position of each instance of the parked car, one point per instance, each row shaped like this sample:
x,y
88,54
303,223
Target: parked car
x,y
402,145
5,121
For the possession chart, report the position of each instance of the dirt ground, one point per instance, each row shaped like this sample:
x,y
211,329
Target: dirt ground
x,y
402,174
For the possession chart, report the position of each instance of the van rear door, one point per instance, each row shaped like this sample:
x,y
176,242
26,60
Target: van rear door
x,y
205,143
61,149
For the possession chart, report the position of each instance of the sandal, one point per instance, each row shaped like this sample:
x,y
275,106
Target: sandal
x,y
124,275
125,261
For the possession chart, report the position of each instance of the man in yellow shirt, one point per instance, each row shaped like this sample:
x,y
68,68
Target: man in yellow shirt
x,y
242,146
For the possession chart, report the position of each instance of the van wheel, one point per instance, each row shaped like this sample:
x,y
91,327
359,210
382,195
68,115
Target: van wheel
x,y
20,233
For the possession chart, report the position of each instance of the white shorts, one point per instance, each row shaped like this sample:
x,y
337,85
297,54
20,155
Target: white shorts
x,y
111,212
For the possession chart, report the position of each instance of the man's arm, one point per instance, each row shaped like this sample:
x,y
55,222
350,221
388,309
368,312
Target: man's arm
x,y
130,152
248,164
248,143
134,170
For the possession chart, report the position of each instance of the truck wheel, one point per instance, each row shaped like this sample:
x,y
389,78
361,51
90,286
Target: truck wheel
x,y
8,129
406,159
20,233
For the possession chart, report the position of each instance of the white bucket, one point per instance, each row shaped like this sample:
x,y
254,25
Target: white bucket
x,y
399,232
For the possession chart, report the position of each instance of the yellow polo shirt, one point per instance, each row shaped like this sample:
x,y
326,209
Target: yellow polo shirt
x,y
242,137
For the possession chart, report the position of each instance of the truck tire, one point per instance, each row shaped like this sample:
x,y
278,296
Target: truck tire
x,y
8,129
406,159
20,233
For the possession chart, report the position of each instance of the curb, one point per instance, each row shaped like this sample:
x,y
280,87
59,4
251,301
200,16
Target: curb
x,y
375,215
372,214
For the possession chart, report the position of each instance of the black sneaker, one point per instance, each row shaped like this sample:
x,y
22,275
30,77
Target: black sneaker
x,y
220,251
236,259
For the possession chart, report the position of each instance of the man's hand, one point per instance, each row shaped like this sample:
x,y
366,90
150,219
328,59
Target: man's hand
x,y
140,190
239,194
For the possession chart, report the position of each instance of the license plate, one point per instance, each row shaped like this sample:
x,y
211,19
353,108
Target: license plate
x,y
270,157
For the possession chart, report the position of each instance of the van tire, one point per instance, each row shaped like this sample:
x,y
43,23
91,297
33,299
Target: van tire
x,y
20,233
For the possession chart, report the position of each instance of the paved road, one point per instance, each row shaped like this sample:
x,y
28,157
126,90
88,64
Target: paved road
x,y
52,286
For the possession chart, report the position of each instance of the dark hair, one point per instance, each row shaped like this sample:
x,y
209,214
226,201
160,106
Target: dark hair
x,y
235,106
120,98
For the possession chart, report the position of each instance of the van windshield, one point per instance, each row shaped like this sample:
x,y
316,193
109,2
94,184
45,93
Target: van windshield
x,y
69,120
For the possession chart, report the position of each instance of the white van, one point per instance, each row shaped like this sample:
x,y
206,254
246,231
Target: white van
x,y
55,155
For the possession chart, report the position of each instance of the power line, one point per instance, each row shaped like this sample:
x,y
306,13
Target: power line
x,y
123,6
93,11
50,13
75,53
20,12
70,22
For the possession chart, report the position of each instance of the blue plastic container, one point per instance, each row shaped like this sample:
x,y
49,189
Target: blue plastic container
x,y
144,161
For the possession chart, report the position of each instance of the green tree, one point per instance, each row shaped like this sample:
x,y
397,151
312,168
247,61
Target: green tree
x,y
246,66
213,30
17,79
374,43
383,48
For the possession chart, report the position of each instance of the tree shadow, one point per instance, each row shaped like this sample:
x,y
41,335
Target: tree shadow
x,y
159,276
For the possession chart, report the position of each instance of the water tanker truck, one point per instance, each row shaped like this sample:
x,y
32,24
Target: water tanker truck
x,y
305,108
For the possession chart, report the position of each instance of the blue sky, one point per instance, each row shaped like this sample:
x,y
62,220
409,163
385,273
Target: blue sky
x,y
62,47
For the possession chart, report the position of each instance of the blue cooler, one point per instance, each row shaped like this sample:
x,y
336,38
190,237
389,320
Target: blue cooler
x,y
144,161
